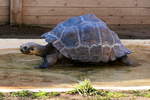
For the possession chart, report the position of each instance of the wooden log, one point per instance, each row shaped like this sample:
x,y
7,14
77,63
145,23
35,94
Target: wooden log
x,y
16,11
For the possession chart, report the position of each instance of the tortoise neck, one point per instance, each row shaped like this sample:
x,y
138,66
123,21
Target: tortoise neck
x,y
47,49
41,50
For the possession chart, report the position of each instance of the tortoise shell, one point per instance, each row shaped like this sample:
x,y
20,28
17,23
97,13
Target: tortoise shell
x,y
86,38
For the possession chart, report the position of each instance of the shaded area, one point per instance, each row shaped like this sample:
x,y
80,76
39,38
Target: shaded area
x,y
22,31
25,31
132,31
17,70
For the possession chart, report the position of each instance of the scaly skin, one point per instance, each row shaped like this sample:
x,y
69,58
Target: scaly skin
x,y
49,54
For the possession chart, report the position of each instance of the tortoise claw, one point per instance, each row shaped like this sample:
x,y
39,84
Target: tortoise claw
x,y
127,61
43,66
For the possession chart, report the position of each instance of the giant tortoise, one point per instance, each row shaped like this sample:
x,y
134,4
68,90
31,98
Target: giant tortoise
x,y
83,38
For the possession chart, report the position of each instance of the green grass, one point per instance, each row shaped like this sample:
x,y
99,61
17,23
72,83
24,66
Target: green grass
x,y
30,94
54,94
1,96
40,94
45,94
115,94
142,93
85,88
24,93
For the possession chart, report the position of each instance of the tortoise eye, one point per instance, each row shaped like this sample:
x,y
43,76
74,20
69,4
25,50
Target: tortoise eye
x,y
25,48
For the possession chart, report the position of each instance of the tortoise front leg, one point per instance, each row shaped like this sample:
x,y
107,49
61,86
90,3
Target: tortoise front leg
x,y
126,60
48,61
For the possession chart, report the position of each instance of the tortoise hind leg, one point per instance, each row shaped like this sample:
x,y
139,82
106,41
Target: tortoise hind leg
x,y
125,60
48,61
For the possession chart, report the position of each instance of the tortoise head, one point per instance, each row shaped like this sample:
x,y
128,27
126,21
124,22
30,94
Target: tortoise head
x,y
31,48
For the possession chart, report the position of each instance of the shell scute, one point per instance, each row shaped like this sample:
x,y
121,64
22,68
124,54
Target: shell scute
x,y
96,53
106,36
89,34
106,53
70,38
72,22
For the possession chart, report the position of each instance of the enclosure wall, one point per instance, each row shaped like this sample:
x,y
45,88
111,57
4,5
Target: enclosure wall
x,y
4,11
111,11
54,11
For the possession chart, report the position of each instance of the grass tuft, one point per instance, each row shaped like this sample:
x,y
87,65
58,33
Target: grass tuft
x,y
39,94
85,88
1,96
116,94
24,93
52,94
142,93
45,94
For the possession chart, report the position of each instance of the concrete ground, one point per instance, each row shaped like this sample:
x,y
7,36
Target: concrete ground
x,y
13,64
9,42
